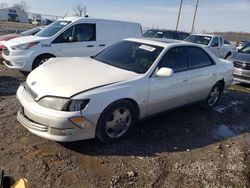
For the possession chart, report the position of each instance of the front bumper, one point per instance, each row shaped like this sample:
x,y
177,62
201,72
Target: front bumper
x,y
21,60
241,75
51,124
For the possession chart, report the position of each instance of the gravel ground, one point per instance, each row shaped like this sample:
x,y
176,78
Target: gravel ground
x,y
187,147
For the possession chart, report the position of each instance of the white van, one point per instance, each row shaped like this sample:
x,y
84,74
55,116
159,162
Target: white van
x,y
66,37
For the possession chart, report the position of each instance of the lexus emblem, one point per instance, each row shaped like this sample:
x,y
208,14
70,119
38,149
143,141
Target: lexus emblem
x,y
33,83
244,65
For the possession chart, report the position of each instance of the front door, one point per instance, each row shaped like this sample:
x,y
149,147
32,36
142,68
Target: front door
x,y
77,41
169,92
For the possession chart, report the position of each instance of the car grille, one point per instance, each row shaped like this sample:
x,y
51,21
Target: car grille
x,y
30,91
6,51
242,65
242,77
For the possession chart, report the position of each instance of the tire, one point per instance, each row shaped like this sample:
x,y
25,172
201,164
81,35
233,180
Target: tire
x,y
116,122
40,60
213,96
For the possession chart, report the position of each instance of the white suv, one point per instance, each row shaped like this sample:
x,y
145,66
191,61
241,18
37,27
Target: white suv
x,y
66,37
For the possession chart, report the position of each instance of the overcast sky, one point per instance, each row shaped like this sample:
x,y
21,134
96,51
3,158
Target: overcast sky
x,y
213,15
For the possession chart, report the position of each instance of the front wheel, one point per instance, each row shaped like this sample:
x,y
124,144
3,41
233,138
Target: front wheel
x,y
40,60
116,122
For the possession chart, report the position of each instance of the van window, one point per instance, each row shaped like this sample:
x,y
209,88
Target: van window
x,y
78,33
176,59
85,32
184,35
176,36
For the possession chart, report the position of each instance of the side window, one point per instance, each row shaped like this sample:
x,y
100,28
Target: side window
x,y
84,32
176,36
226,42
167,35
198,57
183,36
64,37
176,59
215,42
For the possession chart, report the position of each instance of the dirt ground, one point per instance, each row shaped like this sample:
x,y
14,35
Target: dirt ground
x,y
187,147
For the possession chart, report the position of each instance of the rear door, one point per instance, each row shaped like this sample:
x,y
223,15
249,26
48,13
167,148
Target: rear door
x,y
169,92
78,41
203,74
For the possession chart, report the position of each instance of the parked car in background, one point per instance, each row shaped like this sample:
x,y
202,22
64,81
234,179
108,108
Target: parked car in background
x,y
165,34
241,44
241,61
32,31
68,99
216,44
66,38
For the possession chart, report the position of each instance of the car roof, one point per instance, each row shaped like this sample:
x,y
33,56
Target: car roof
x,y
165,43
74,19
208,35
167,30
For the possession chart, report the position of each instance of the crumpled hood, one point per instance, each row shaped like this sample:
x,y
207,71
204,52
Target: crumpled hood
x,y
22,40
65,77
245,57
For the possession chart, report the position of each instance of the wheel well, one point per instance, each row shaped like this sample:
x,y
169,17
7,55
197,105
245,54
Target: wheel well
x,y
46,54
222,83
134,103
228,54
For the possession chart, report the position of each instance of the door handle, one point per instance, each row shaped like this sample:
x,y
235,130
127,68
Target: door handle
x,y
102,44
214,74
90,46
185,80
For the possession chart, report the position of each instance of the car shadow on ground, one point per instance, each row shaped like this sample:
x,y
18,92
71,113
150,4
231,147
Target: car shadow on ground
x,y
9,85
186,128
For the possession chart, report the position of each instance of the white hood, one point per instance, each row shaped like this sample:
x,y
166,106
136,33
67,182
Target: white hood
x,y
65,77
22,40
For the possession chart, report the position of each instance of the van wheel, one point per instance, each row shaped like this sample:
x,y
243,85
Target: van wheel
x,y
213,96
116,122
40,60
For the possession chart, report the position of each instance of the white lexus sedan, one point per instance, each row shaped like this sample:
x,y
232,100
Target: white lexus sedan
x,y
69,99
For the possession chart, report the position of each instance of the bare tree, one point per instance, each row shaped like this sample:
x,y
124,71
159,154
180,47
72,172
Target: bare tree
x,y
80,10
3,5
21,6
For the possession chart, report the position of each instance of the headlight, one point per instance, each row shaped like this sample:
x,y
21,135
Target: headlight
x,y
54,103
24,46
63,104
77,105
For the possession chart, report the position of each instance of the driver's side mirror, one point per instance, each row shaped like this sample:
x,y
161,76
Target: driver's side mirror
x,y
71,39
164,72
214,45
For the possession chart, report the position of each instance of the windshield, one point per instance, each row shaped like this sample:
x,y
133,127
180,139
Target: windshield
x,y
132,56
31,31
53,28
204,40
153,34
245,49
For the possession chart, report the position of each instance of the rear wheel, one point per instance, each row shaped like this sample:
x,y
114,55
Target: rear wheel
x,y
40,60
213,96
116,122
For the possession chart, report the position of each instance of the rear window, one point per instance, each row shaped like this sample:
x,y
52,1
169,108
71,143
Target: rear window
x,y
198,58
